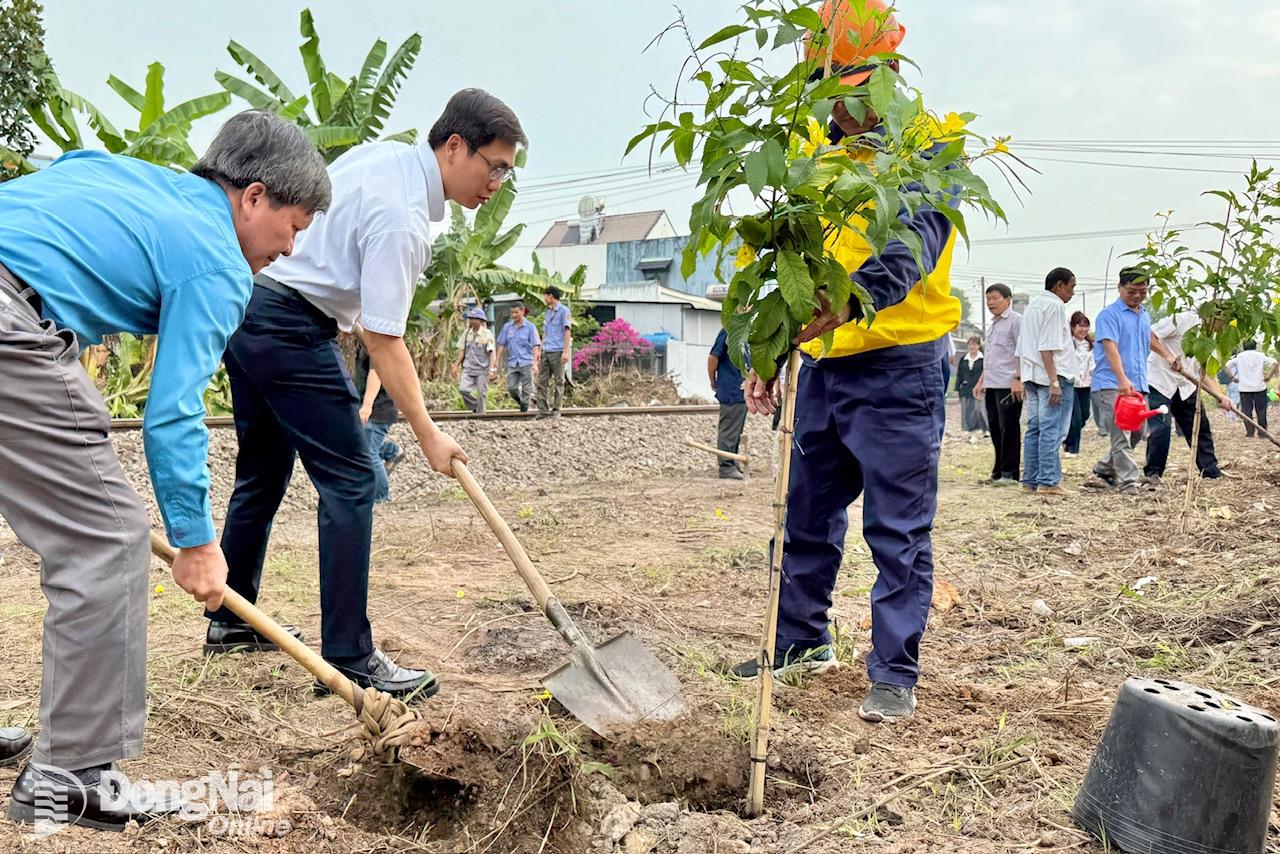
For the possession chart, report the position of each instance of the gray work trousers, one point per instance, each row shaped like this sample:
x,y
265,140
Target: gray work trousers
x,y
550,381
520,385
733,417
1117,463
474,387
65,496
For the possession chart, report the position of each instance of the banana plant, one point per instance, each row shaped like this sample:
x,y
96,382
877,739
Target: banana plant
x,y
160,136
345,112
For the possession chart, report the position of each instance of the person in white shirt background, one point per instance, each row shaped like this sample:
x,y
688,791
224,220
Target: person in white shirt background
x,y
1082,344
1048,367
356,268
1253,369
1170,388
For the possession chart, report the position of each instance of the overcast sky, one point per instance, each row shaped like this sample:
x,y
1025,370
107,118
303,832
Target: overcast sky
x,y
1188,84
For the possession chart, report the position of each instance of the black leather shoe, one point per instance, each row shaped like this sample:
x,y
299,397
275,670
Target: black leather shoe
x,y
239,637
46,794
15,743
382,673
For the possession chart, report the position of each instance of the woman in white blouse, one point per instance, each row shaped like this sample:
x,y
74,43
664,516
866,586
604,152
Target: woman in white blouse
x,y
1082,343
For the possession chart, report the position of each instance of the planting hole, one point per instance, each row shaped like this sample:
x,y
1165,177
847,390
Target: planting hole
x,y
1246,720
1152,690
1213,705
1196,708
1268,717
1205,694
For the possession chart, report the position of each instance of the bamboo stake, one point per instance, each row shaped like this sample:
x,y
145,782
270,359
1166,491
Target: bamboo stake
x,y
764,662
728,455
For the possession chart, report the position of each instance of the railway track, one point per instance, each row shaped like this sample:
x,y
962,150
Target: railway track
x,y
496,415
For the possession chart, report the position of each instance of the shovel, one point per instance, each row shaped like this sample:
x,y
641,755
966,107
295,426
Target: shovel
x,y
608,687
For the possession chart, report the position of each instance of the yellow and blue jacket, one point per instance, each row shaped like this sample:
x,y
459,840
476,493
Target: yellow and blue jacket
x,y
913,313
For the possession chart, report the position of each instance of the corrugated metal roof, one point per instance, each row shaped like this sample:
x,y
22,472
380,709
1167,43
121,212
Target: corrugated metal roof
x,y
614,228
648,292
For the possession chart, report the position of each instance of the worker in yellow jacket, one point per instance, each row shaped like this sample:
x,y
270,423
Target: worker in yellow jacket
x,y
869,416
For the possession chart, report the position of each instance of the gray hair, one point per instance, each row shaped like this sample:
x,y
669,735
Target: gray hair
x,y
258,146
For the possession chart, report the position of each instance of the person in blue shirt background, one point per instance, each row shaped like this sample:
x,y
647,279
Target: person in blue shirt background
x,y
98,244
519,343
557,350
726,379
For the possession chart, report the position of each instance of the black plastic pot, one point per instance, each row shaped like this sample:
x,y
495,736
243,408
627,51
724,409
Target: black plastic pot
x,y
1181,770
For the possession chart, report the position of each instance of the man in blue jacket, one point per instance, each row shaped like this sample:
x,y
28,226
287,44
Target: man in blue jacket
x,y
98,244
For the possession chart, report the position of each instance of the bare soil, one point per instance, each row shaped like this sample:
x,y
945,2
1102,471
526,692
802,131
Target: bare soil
x,y
656,544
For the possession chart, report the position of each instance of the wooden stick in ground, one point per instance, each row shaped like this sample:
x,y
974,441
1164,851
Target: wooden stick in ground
x,y
764,662
728,455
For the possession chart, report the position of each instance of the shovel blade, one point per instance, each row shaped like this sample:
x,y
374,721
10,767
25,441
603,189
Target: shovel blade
x,y
630,687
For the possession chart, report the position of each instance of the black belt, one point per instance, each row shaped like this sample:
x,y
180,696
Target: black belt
x,y
262,280
21,289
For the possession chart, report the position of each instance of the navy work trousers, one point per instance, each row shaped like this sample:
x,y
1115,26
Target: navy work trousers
x,y
292,397
870,430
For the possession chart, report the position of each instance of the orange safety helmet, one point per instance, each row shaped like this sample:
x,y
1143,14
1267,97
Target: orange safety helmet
x,y
858,36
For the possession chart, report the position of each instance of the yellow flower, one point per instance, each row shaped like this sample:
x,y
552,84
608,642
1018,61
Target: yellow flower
x,y
159,588
720,514
746,256
1001,146
952,124
1233,323
544,696
461,593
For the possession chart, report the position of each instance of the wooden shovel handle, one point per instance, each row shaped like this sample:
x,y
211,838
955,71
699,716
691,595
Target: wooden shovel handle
x,y
537,586
272,631
726,455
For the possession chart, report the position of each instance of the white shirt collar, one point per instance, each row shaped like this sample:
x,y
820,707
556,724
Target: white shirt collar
x,y
435,183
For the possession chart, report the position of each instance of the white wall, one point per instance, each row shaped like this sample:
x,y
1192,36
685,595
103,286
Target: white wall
x,y
563,260
687,364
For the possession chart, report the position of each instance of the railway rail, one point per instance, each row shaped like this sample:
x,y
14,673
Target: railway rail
x,y
496,415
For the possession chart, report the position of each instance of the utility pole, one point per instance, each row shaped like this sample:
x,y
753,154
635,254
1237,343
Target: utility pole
x,y
982,301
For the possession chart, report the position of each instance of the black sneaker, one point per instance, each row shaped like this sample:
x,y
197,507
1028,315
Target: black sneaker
x,y
100,800
809,663
239,637
15,743
380,672
885,702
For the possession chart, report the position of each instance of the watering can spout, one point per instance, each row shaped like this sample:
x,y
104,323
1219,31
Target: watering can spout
x,y
1131,411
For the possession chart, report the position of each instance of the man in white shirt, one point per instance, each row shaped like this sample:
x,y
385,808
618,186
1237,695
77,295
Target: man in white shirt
x,y
1170,388
1253,370
1046,357
356,269
1000,385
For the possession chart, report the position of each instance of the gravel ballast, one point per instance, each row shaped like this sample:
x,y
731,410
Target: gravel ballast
x,y
522,454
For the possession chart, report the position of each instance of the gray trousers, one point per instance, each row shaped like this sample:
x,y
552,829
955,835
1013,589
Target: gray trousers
x,y
474,387
550,381
1117,462
733,417
520,385
63,492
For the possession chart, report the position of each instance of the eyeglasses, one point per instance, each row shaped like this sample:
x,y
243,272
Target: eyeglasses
x,y
501,174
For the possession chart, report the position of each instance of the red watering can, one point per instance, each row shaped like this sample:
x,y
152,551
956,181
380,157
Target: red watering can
x,y
1132,412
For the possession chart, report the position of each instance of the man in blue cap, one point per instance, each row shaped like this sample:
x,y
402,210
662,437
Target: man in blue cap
x,y
478,363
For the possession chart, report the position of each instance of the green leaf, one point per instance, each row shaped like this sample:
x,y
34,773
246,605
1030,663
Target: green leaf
x,y
153,107
723,35
857,109
182,115
106,132
795,283
682,143
776,159
317,76
249,93
881,87
331,136
756,169
388,85
805,17
131,96
260,71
